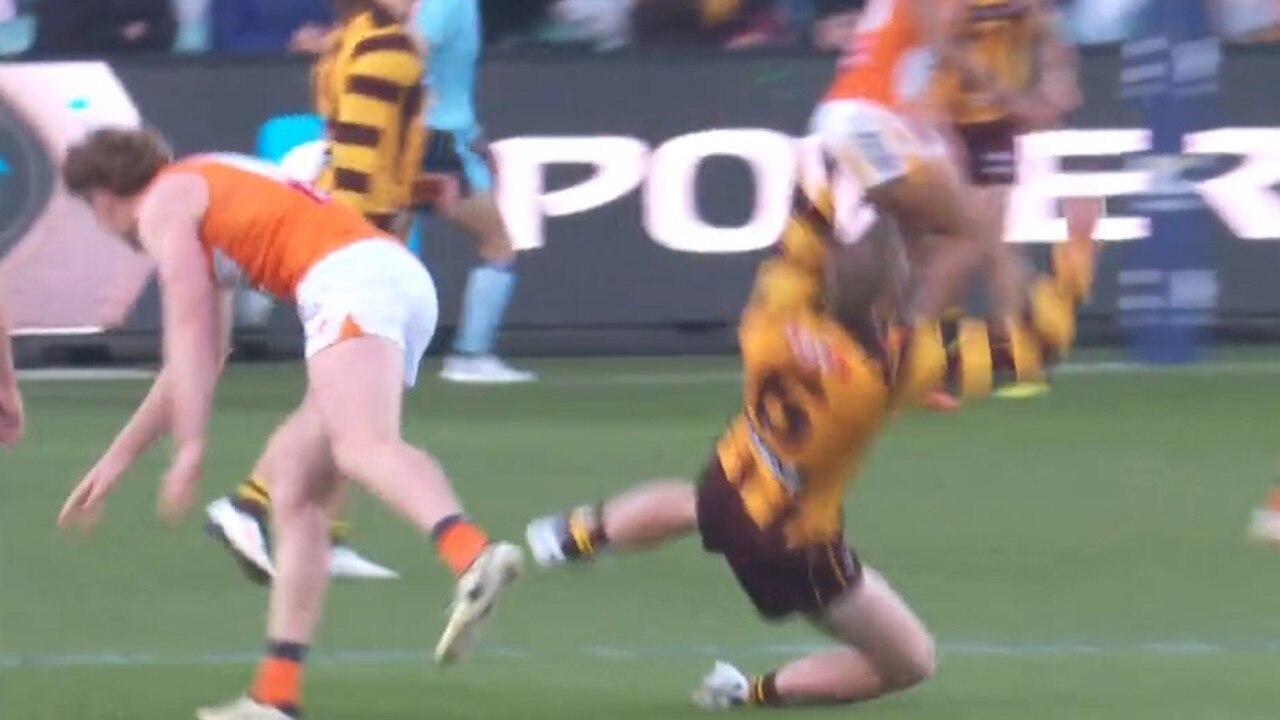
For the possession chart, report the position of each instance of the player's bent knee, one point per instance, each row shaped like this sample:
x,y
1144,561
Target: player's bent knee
x,y
924,662
916,665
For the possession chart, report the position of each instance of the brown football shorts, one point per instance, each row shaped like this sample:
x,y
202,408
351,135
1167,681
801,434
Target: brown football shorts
x,y
778,579
990,153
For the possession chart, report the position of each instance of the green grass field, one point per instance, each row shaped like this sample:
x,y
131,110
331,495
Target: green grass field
x,y
1079,556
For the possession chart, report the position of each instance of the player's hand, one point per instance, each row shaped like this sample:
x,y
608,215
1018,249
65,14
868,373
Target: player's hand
x,y
83,507
12,416
310,39
181,481
135,31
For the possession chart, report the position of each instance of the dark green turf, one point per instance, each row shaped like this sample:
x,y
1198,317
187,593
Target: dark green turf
x,y
1108,516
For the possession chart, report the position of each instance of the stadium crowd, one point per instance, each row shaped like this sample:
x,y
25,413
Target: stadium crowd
x,y
52,28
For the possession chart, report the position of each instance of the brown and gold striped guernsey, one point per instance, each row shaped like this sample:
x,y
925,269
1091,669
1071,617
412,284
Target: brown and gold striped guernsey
x,y
368,89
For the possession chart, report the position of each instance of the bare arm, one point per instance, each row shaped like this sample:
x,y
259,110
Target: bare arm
x,y
168,229
151,420
8,376
1059,62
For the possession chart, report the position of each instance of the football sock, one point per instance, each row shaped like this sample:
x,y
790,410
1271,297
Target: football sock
x,y
252,496
763,691
584,532
459,542
278,680
484,302
339,532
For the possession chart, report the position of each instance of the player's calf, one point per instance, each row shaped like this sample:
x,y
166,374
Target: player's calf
x,y
645,516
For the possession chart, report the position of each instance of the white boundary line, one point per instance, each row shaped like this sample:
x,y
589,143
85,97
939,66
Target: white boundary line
x,y
596,653
82,374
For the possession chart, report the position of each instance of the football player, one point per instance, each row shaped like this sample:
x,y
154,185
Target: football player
x,y
824,368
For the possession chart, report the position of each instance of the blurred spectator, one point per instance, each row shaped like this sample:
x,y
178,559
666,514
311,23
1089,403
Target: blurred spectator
x,y
1093,22
193,25
508,21
606,24
103,27
833,32
268,26
8,11
1245,20
731,23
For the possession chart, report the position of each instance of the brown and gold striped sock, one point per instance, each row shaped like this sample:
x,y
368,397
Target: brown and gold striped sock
x,y
339,532
763,691
586,534
252,495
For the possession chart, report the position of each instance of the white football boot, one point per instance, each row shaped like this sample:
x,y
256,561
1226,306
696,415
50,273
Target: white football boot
x,y
483,370
244,535
724,688
242,709
545,537
477,593
345,562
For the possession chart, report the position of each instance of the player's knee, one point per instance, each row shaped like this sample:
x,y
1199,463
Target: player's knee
x,y
497,249
917,664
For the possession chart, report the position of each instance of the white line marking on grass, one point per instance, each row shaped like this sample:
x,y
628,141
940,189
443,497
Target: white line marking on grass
x,y
80,374
596,653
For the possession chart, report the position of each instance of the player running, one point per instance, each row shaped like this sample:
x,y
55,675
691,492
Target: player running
x,y
875,124
451,30
368,88
12,421
368,311
821,377
1018,43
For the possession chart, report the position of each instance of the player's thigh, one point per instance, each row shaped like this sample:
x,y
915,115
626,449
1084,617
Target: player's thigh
x,y
904,166
991,205
358,386
876,620
369,312
479,216
297,459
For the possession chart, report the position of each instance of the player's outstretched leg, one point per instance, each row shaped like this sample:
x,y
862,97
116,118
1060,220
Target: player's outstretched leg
x,y
886,649
358,388
645,516
298,457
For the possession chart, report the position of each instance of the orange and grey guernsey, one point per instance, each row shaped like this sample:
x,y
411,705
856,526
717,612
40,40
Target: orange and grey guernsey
x,y
263,229
368,89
